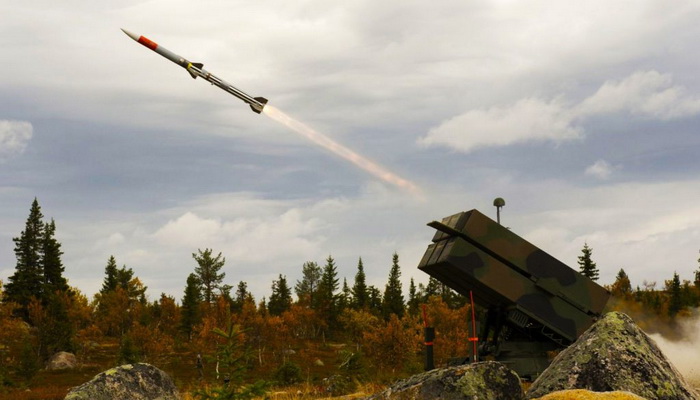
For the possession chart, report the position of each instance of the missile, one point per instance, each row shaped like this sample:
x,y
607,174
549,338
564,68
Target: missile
x,y
197,70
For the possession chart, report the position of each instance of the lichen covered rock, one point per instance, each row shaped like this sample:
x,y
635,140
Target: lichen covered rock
x,y
580,394
480,381
131,381
614,354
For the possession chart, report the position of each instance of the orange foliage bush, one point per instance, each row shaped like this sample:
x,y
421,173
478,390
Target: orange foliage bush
x,y
152,343
394,344
451,330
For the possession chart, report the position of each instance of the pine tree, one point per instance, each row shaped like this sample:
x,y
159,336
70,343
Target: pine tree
x,y
110,282
131,285
38,283
122,278
360,296
586,264
242,293
307,287
675,302
27,280
329,278
393,302
281,297
191,313
344,297
451,298
374,300
208,272
51,262
413,300
326,297
431,289
621,287
242,296
225,293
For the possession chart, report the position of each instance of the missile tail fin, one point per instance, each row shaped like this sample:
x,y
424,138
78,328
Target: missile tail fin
x,y
199,66
258,107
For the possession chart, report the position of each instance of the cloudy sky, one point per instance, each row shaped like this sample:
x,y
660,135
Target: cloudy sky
x,y
584,117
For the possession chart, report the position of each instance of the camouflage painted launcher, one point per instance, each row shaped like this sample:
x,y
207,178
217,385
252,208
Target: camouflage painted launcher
x,y
506,272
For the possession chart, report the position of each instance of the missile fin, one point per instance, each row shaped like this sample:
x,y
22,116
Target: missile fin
x,y
196,65
258,108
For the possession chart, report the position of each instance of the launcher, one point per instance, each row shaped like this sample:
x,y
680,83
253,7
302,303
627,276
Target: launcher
x,y
533,303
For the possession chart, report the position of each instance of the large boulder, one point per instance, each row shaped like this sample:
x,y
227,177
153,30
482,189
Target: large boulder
x,y
614,354
479,381
61,360
131,381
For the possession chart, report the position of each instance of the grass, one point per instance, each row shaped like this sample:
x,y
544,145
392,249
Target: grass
x,y
307,392
51,392
587,395
180,366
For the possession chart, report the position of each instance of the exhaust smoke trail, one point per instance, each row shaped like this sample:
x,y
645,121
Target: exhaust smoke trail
x,y
340,150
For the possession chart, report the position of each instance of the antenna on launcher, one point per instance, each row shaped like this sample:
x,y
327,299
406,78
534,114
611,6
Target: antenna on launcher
x,y
498,202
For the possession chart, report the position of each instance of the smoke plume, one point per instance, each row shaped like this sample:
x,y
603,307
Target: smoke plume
x,y
684,354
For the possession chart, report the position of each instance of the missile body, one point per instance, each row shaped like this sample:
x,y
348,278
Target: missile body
x,y
196,70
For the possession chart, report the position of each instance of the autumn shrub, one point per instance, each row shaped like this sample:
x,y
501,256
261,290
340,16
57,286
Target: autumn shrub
x,y
87,342
352,363
452,329
288,373
48,392
357,323
338,385
128,353
28,362
231,354
151,343
5,380
392,346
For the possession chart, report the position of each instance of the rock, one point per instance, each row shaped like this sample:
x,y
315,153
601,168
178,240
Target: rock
x,y
62,360
488,380
614,354
580,394
337,385
131,381
318,362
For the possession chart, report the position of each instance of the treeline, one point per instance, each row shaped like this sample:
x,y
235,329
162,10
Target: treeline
x,y
658,308
41,314
380,327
